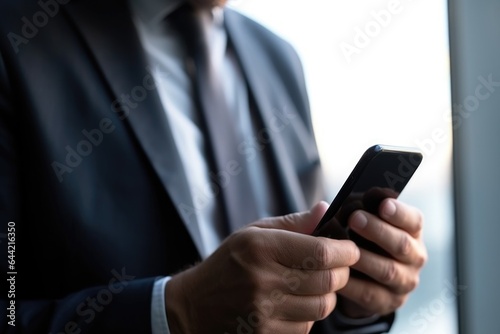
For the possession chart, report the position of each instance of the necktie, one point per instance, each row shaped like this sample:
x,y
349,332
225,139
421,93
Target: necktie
x,y
228,167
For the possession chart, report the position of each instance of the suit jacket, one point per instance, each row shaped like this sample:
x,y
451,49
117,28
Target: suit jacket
x,y
87,159
86,172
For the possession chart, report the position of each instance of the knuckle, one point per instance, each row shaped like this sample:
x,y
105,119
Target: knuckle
x,y
397,302
253,244
367,297
419,221
342,276
325,306
404,246
408,286
336,279
330,281
390,272
412,283
321,252
422,259
354,253
414,222
290,219
249,243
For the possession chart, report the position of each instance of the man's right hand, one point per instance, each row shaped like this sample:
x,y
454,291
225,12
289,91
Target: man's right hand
x,y
270,276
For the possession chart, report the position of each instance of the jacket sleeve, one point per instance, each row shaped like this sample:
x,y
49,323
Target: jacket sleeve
x,y
120,307
123,305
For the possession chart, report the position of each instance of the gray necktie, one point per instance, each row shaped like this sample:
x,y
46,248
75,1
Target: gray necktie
x,y
228,166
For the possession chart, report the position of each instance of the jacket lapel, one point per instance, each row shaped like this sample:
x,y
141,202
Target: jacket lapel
x,y
272,106
108,30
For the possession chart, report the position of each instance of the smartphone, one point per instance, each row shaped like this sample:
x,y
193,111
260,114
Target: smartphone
x,y
382,172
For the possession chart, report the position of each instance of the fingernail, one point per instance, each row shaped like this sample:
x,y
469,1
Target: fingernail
x,y
390,209
359,221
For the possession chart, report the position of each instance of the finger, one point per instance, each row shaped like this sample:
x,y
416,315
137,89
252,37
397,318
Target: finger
x,y
311,283
348,207
398,243
372,297
306,308
403,216
302,222
397,277
294,250
374,197
332,229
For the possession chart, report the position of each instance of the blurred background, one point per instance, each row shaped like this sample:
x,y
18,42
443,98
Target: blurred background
x,y
408,72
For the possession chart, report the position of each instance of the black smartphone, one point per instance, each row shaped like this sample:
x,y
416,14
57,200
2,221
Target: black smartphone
x,y
383,171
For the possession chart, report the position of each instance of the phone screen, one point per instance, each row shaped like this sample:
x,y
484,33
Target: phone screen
x,y
382,172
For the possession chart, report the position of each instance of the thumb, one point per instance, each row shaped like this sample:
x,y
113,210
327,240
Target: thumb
x,y
300,222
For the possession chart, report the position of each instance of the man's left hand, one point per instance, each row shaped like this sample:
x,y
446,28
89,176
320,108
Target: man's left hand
x,y
398,230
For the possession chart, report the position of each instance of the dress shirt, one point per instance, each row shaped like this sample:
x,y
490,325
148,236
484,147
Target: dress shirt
x,y
167,65
165,53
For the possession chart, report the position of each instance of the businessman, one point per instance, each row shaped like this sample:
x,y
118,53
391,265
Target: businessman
x,y
160,175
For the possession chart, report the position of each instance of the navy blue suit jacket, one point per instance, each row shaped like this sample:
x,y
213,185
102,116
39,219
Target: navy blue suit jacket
x,y
87,161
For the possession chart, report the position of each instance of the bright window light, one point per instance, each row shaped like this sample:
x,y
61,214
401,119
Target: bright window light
x,y
378,73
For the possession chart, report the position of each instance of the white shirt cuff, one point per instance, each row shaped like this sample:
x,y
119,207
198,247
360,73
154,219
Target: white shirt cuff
x,y
159,323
